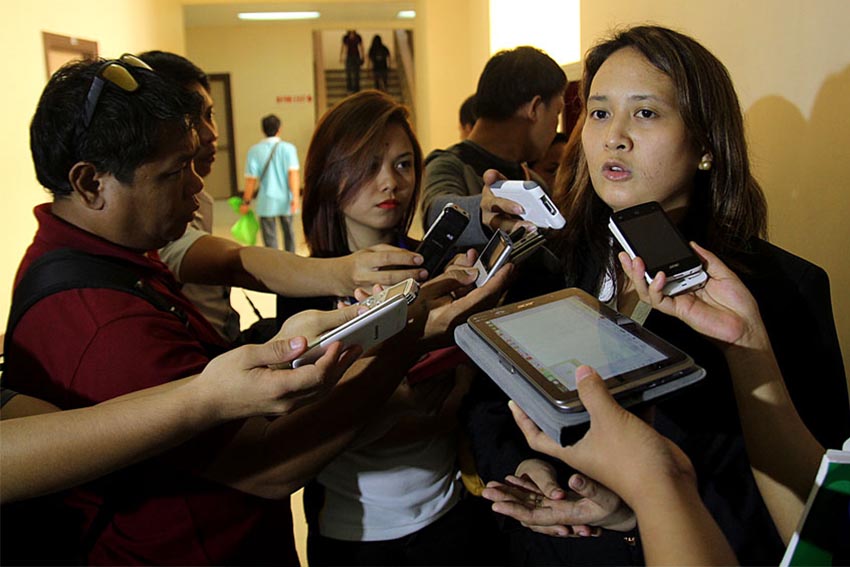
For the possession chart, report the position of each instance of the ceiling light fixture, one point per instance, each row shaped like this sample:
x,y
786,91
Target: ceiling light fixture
x,y
406,15
266,16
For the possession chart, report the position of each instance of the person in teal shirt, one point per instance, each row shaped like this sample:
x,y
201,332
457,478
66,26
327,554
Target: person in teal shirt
x,y
272,175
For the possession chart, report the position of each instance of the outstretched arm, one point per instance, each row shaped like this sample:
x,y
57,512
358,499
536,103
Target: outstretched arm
x,y
783,452
647,470
43,449
215,260
273,459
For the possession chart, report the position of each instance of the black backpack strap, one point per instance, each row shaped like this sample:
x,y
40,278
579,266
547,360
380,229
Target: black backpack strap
x,y
65,268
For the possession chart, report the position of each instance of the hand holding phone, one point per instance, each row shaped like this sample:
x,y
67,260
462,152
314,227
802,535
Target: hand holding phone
x,y
539,208
645,230
495,255
438,242
366,330
408,289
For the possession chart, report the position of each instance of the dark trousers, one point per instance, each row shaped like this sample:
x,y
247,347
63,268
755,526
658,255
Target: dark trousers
x,y
352,74
465,535
380,76
269,230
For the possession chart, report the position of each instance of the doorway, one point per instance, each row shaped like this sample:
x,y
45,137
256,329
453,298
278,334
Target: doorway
x,y
221,183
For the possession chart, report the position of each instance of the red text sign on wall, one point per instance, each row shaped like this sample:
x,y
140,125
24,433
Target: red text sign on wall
x,y
294,99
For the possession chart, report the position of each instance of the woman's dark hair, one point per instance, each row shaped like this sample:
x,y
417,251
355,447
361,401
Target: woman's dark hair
x,y
126,130
727,207
341,159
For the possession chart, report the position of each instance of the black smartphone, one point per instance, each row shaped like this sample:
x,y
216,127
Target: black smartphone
x,y
645,230
438,243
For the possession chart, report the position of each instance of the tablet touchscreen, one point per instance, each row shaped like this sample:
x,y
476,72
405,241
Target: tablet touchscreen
x,y
546,338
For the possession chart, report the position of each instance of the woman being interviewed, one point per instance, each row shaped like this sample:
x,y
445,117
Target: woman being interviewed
x,y
662,122
394,496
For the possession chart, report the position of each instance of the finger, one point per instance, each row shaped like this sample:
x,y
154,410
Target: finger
x,y
465,259
334,362
491,176
337,317
545,479
272,352
553,531
387,255
447,282
537,440
713,265
390,277
524,482
526,513
504,493
595,396
591,490
503,206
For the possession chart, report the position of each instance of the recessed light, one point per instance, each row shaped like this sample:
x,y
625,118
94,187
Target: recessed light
x,y
406,14
278,15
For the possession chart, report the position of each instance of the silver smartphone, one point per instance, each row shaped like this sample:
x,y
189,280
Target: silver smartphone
x,y
408,289
366,330
495,255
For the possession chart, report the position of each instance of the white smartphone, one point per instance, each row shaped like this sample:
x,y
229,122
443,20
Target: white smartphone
x,y
495,255
539,208
367,330
408,289
645,230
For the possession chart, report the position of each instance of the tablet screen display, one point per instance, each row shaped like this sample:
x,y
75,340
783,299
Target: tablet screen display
x,y
545,339
557,338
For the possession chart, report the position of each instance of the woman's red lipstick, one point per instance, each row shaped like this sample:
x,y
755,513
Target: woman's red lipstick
x,y
388,204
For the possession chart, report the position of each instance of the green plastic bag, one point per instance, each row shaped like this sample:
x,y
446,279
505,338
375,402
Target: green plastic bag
x,y
245,229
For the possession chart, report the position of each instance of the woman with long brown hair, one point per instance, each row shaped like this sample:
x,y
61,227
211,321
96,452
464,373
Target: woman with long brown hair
x,y
661,122
394,497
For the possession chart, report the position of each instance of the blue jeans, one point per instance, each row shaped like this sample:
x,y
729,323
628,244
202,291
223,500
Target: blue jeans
x,y
269,229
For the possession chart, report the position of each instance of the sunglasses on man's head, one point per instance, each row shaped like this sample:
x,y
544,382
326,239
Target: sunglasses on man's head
x,y
116,72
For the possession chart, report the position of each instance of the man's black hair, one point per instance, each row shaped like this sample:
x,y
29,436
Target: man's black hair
x,y
126,130
468,114
177,68
271,125
514,77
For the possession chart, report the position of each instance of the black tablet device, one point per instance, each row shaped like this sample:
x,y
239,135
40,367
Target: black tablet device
x,y
546,338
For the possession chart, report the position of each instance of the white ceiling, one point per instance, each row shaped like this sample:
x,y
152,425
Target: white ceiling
x,y
222,14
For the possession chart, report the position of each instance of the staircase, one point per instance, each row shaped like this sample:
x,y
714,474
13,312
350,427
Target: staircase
x,y
335,80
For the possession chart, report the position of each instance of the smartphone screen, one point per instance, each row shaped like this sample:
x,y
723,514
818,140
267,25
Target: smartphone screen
x,y
494,251
652,236
495,254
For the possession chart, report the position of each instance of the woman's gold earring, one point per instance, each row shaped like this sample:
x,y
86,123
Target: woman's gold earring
x,y
705,164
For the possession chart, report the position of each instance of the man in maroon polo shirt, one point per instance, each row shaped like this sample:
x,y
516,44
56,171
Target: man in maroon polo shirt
x,y
115,143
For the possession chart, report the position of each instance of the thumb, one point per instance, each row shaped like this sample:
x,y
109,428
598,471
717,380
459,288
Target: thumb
x,y
337,317
594,394
272,352
491,176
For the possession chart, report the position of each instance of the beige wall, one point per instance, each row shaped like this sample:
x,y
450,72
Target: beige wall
x,y
118,26
268,60
452,44
265,61
790,61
